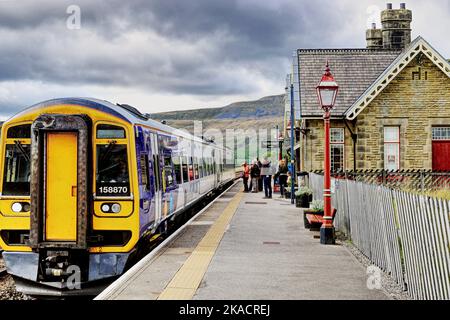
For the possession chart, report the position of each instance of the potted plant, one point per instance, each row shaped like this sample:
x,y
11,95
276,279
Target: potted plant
x,y
303,197
316,207
287,192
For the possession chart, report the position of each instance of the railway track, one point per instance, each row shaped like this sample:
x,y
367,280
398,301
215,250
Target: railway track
x,y
3,271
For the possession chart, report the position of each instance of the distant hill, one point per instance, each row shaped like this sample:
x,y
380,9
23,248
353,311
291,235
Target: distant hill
x,y
271,106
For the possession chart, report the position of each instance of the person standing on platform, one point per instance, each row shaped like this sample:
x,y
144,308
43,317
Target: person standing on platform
x,y
260,180
245,175
282,175
266,174
254,174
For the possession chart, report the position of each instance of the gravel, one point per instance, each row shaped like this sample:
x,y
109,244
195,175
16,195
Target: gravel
x,y
8,288
388,284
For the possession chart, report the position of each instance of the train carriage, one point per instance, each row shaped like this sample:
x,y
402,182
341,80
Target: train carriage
x,y
84,182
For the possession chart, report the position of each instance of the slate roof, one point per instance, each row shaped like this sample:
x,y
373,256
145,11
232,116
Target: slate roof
x,y
354,70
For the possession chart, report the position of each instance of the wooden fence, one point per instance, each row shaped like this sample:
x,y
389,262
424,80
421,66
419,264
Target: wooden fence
x,y
405,234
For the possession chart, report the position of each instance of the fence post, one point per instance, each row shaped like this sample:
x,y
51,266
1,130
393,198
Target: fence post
x,y
422,180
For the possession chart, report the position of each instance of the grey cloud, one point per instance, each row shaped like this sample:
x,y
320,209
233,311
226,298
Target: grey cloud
x,y
254,35
192,47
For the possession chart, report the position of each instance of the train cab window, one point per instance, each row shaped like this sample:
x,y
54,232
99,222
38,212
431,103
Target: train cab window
x,y
168,171
177,168
112,170
185,169
196,168
22,131
108,131
16,178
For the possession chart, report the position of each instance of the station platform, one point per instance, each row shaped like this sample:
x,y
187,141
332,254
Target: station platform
x,y
245,247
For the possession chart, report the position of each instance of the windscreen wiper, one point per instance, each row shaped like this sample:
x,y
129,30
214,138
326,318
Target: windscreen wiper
x,y
108,150
22,150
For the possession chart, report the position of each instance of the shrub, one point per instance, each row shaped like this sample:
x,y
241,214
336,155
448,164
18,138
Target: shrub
x,y
443,194
303,191
317,205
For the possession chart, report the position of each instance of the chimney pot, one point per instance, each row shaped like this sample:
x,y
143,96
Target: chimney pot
x,y
402,5
374,25
389,6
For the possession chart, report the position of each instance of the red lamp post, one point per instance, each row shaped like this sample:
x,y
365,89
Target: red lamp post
x,y
326,92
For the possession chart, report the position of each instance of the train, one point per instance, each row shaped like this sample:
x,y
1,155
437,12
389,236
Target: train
x,y
87,183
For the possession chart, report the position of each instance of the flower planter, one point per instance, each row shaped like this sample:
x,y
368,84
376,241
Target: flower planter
x,y
302,201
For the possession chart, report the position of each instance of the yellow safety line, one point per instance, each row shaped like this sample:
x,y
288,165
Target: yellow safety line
x,y
186,281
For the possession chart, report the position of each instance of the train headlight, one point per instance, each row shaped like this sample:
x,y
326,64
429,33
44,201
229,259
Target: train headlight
x,y
17,207
115,208
106,208
26,207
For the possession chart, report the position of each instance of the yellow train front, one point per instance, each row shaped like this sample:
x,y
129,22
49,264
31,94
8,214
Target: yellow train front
x,y
86,182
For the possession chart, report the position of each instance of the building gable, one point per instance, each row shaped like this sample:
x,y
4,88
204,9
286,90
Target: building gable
x,y
419,45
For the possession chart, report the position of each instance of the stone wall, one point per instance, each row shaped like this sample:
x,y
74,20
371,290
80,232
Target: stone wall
x,y
313,144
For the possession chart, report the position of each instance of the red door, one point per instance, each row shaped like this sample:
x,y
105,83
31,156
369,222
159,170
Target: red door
x,y
441,155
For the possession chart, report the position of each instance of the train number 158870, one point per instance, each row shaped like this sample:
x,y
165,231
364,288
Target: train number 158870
x,y
111,190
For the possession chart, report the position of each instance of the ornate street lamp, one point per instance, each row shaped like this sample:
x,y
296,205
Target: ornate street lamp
x,y
327,90
280,146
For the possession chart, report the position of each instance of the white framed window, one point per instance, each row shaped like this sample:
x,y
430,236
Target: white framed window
x,y
440,133
337,140
391,148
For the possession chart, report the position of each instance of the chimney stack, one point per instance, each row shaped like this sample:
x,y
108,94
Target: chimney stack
x,y
396,27
374,37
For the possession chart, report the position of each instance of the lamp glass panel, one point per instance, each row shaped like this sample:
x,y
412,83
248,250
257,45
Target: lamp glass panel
x,y
327,96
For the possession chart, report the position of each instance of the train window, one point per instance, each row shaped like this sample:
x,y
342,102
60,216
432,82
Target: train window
x,y
145,181
201,168
185,170
196,168
16,179
156,172
205,173
191,169
112,170
108,131
208,167
21,131
177,168
167,173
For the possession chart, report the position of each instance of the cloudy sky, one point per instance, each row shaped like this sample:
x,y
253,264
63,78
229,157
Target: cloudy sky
x,y
164,55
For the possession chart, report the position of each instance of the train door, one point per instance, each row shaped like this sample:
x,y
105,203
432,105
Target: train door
x,y
61,187
156,160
